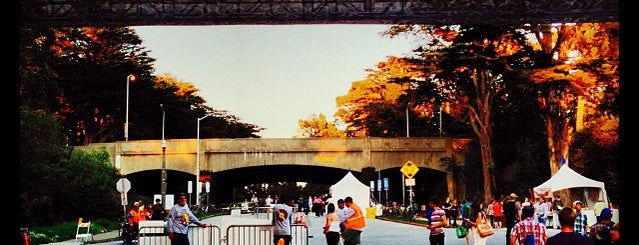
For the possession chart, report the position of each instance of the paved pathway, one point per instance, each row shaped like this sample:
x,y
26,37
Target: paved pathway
x,y
377,232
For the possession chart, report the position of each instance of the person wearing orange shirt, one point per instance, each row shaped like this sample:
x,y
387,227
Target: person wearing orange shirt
x,y
355,223
133,217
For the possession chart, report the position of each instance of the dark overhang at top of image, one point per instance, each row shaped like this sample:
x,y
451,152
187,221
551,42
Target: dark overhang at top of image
x,y
59,13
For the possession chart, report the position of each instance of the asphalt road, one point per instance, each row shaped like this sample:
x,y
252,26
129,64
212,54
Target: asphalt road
x,y
377,232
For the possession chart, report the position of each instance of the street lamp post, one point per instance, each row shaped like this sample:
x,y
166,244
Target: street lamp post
x,y
197,161
129,79
163,187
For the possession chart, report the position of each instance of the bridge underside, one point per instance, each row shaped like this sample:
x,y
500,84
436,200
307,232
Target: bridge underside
x,y
225,184
233,12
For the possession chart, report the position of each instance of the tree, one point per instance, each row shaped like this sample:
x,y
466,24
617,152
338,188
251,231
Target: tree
x,y
577,78
317,126
58,184
466,68
370,107
80,74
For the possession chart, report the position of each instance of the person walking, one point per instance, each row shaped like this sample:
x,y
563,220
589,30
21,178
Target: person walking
x,y
473,217
159,213
466,216
133,217
498,213
491,212
557,205
437,221
454,213
581,221
343,212
180,217
477,239
282,219
446,207
600,205
511,215
355,223
528,231
331,226
318,206
600,233
567,236
268,201
542,211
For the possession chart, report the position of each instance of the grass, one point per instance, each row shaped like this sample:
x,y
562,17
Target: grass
x,y
402,219
66,231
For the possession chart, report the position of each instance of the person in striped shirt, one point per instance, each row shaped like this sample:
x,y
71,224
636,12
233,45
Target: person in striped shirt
x,y
436,222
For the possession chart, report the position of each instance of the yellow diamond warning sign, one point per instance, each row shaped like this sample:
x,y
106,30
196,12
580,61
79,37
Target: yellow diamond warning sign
x,y
409,169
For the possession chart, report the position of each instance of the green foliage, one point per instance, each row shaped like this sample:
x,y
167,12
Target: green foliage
x,y
599,160
66,231
58,184
81,75
41,146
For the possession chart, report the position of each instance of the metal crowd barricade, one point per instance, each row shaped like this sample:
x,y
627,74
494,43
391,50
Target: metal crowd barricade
x,y
262,235
263,212
152,233
209,235
212,235
156,235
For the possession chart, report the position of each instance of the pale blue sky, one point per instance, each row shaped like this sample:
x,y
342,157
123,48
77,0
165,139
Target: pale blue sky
x,y
271,75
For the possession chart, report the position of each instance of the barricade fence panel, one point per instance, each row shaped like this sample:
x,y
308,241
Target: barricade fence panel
x,y
262,235
157,235
153,235
212,235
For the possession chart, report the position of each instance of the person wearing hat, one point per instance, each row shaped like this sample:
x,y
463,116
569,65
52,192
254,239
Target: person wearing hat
x,y
567,235
134,214
511,214
600,205
600,232
133,217
581,220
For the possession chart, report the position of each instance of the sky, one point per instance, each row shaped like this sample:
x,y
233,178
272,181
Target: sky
x,y
271,75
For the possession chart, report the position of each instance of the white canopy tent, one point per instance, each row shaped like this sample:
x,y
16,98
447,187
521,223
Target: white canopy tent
x,y
351,186
566,178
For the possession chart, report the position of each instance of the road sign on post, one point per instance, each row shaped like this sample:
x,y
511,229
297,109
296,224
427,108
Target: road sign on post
x,y
123,186
409,169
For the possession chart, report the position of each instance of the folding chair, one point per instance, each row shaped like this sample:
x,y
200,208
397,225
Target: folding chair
x,y
83,231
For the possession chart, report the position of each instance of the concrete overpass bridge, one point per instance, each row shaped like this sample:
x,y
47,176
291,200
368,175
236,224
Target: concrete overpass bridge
x,y
238,162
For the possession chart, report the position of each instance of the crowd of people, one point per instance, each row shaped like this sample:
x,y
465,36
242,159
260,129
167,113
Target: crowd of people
x,y
526,221
343,224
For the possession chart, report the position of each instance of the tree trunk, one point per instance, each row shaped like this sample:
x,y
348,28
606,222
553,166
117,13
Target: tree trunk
x,y
480,120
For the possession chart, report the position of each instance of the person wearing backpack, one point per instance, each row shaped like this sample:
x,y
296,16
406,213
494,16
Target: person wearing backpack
x,y
467,215
567,235
528,231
